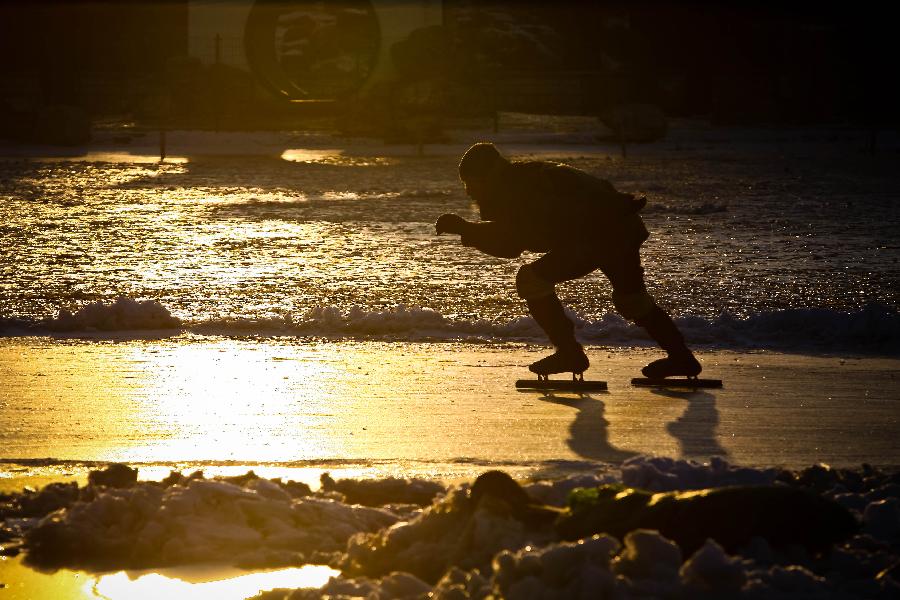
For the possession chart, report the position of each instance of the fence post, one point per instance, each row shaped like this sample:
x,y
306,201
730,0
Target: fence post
x,y
217,88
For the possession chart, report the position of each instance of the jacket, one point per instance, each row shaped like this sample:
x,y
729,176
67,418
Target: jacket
x,y
543,206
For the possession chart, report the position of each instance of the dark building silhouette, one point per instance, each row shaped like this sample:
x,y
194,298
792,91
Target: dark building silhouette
x,y
738,62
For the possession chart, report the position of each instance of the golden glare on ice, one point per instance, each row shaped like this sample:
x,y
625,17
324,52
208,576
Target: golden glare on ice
x,y
122,586
307,155
115,157
197,403
217,582
215,401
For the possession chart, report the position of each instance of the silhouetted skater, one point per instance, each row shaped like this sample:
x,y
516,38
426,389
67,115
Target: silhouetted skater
x,y
581,224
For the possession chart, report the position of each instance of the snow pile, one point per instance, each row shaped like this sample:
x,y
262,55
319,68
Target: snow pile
x,y
245,521
400,319
453,532
122,315
557,491
381,492
660,474
779,537
874,329
644,565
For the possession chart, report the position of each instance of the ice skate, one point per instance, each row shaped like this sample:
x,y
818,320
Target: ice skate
x,y
673,366
573,361
675,371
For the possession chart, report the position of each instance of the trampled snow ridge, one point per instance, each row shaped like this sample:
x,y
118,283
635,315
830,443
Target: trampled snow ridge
x,y
874,329
492,538
661,474
124,314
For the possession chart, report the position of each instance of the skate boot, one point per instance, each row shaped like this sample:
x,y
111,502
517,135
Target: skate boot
x,y
680,364
680,360
569,360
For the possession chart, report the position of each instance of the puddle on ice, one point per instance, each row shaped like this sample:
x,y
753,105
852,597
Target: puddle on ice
x,y
197,583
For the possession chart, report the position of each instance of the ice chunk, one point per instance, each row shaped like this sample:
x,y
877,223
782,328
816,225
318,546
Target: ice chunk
x,y
115,475
660,474
122,315
457,530
380,492
711,570
648,555
195,520
732,516
787,582
881,519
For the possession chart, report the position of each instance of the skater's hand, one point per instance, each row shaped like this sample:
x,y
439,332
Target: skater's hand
x,y
450,223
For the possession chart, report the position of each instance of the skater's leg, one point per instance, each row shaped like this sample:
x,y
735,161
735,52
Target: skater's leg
x,y
633,302
535,283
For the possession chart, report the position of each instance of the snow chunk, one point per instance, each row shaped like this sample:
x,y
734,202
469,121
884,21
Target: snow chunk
x,y
659,474
784,583
196,520
711,570
122,315
464,529
556,493
563,570
881,519
648,555
380,492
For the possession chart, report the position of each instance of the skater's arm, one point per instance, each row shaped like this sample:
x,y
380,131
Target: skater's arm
x,y
488,236
492,238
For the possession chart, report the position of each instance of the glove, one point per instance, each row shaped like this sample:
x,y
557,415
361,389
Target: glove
x,y
450,223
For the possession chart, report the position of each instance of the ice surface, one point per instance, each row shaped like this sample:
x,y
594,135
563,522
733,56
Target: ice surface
x,y
748,222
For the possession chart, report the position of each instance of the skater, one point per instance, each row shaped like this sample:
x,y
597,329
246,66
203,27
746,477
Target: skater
x,y
580,223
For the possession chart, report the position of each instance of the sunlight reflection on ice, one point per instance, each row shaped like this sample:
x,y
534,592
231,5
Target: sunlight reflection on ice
x,y
331,157
192,387
113,157
154,585
306,155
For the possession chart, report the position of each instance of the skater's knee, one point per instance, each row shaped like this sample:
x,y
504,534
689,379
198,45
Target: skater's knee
x,y
634,306
530,285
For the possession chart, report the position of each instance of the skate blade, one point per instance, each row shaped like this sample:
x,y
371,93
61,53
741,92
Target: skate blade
x,y
577,385
679,382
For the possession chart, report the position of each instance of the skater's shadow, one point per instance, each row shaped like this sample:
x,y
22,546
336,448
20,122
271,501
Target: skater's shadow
x,y
695,429
588,433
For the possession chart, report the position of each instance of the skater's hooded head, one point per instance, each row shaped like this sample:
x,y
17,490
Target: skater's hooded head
x,y
479,170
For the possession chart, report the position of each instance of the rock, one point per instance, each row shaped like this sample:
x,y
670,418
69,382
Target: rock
x,y
115,476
